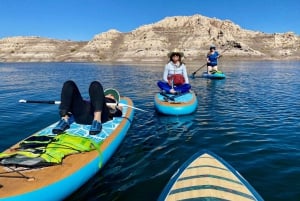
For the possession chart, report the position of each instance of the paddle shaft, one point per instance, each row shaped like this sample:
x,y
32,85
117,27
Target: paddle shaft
x,y
40,101
199,68
58,102
168,97
172,98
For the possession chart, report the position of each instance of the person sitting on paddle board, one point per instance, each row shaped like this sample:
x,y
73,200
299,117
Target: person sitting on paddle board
x,y
175,79
212,60
92,112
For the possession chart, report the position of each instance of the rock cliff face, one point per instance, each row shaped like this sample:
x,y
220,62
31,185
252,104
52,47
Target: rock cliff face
x,y
35,49
149,43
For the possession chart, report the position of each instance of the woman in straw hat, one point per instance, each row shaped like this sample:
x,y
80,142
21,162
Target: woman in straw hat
x,y
90,112
175,79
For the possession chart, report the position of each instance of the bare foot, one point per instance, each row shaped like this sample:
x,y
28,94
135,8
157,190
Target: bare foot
x,y
172,91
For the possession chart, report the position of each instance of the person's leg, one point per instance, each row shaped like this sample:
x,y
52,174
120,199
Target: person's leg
x,y
209,69
70,99
215,69
71,104
164,86
183,88
99,107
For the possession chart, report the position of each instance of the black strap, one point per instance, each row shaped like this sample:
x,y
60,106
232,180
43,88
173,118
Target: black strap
x,y
167,97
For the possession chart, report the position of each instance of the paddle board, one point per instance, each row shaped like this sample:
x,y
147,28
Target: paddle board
x,y
181,104
59,181
217,75
206,176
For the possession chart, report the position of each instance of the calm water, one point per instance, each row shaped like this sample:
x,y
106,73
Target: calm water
x,y
251,119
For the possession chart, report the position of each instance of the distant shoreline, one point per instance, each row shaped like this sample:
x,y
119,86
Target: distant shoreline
x,y
193,61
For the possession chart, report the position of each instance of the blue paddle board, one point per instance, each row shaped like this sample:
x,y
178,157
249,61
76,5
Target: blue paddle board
x,y
181,104
58,181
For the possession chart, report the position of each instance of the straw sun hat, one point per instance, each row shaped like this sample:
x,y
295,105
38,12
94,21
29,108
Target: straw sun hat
x,y
176,51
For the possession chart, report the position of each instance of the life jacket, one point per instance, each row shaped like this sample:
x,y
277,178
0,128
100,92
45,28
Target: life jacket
x,y
177,79
39,151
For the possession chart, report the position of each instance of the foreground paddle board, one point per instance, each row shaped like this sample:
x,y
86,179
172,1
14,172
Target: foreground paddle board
x,y
205,176
170,104
59,181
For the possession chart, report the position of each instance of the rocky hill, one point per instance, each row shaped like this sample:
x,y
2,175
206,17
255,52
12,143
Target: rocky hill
x,y
150,43
35,49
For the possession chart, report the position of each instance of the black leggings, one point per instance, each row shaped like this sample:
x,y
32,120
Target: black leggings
x,y
83,110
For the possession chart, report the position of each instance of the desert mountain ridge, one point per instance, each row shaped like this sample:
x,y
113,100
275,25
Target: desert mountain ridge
x,y
150,43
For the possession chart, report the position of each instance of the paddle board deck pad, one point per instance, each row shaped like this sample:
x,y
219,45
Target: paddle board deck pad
x,y
217,75
57,182
181,104
206,176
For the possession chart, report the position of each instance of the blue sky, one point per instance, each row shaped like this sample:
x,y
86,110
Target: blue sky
x,y
81,20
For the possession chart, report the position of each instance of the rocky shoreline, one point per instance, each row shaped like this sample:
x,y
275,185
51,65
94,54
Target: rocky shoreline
x,y
151,43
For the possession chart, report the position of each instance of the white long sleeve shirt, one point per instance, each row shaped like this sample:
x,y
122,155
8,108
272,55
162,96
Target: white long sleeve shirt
x,y
172,68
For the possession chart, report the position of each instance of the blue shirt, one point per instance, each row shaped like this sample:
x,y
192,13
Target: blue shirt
x,y
213,58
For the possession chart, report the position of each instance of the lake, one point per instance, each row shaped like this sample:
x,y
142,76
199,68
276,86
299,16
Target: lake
x,y
251,119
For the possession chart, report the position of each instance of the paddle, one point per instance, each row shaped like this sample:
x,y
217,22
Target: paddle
x,y
172,98
40,101
167,97
193,74
58,102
